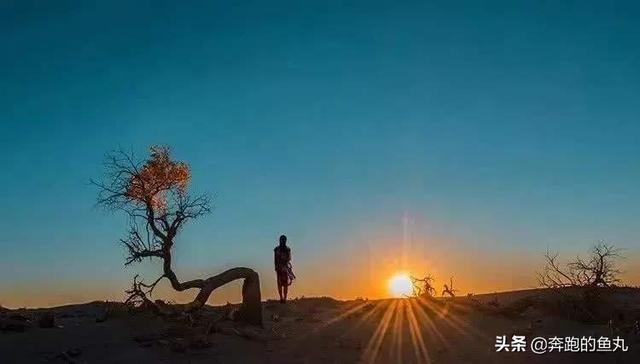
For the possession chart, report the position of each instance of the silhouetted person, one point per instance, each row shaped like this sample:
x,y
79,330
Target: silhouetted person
x,y
284,271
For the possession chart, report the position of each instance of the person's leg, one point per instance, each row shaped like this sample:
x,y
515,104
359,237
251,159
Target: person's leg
x,y
286,290
279,287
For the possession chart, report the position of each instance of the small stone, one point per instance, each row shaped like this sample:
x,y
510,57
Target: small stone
x,y
75,352
233,314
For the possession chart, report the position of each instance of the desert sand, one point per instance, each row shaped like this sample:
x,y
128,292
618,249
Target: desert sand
x,y
320,330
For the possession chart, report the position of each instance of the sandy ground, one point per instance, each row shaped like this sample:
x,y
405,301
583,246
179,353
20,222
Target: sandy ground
x,y
312,330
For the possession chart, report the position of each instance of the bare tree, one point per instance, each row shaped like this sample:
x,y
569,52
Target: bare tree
x,y
422,286
154,194
449,290
599,269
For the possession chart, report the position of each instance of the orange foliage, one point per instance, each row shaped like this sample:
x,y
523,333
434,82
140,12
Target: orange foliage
x,y
158,176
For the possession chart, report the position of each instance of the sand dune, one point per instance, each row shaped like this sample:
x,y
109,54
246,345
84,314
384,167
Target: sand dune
x,y
318,330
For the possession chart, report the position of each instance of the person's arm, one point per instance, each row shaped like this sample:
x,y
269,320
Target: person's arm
x,y
275,259
289,256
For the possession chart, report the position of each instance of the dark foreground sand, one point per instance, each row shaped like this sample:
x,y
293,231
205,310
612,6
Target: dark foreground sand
x,y
313,330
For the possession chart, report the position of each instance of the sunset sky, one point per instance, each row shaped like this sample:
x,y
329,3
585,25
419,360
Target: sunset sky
x,y
457,138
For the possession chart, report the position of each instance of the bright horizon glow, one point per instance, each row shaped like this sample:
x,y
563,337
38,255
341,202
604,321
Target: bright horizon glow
x,y
400,285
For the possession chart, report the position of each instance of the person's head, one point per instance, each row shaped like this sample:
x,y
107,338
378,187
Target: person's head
x,y
283,240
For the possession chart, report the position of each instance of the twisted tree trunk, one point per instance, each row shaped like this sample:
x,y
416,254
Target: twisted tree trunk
x,y
251,308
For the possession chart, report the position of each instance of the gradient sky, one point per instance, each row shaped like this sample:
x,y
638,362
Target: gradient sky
x,y
454,137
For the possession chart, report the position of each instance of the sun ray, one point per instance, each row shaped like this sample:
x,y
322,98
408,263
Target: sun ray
x,y
373,346
451,319
419,347
379,306
351,311
429,323
397,330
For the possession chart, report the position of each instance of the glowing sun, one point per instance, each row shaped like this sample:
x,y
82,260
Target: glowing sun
x,y
400,285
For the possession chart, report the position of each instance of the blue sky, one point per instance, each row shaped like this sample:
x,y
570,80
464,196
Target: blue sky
x,y
505,127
